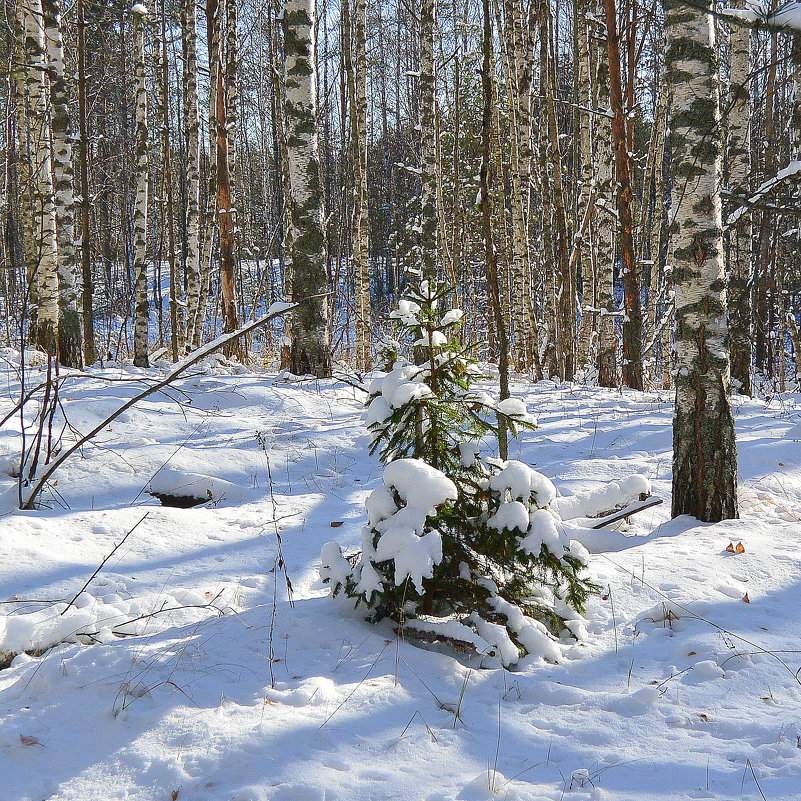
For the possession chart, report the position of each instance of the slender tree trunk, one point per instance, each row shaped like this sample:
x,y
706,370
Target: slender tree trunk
x,y
225,95
740,236
487,181
606,227
764,275
520,263
304,241
795,122
704,449
225,220
428,144
565,295
658,299
194,314
585,199
354,39
41,247
87,285
630,269
69,327
795,338
141,305
177,341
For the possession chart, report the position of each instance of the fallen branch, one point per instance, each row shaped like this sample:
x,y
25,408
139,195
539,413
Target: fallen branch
x,y
276,310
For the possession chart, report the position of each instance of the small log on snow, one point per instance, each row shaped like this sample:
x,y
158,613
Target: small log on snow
x,y
456,635
600,539
645,502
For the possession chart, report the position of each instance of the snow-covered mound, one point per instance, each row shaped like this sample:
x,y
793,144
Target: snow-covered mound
x,y
173,483
97,615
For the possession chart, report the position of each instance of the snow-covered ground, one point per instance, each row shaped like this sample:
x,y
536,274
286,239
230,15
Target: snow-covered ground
x,y
219,689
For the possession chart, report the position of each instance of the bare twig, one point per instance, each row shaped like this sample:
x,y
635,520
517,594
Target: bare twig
x,y
106,558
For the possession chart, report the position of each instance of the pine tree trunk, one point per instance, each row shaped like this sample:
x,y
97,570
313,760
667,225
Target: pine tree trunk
x,y
191,121
304,241
141,306
740,236
41,246
69,327
704,449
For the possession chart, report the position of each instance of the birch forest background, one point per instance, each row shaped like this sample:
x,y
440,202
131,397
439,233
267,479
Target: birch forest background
x,y
523,151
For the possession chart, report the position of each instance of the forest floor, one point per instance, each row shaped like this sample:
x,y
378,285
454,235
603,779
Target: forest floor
x,y
221,690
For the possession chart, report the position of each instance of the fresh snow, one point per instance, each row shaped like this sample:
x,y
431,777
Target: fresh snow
x,y
177,675
514,407
511,515
606,498
418,484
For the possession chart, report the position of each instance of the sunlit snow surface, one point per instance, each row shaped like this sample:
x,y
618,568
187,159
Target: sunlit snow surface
x,y
656,704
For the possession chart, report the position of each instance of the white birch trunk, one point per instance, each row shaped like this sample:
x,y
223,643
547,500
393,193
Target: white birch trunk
x,y
141,307
605,226
354,39
41,247
740,237
704,450
191,121
586,192
304,240
428,144
70,328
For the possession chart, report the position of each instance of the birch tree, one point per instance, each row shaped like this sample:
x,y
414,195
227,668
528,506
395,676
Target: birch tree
x,y
191,121
39,217
606,226
740,235
87,285
141,306
354,58
487,179
177,342
428,138
304,240
704,449
69,325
